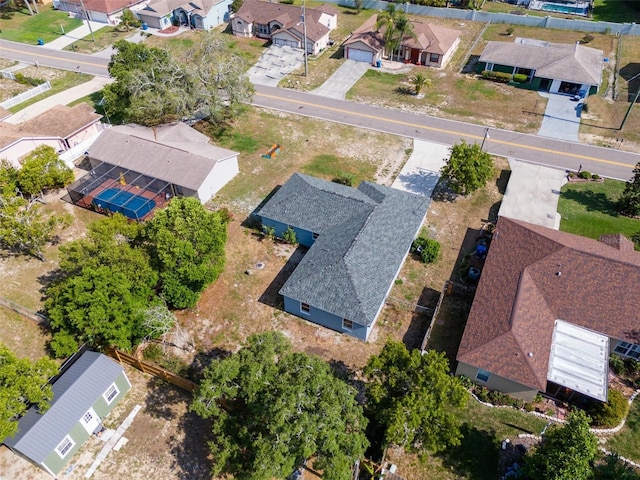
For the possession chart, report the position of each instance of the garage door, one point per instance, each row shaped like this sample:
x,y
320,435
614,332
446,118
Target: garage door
x,y
360,55
285,43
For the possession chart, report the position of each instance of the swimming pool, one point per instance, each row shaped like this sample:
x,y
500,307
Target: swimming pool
x,y
126,203
556,7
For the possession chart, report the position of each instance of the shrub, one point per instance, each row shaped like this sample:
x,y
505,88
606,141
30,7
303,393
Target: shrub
x,y
287,2
270,232
520,78
529,407
632,366
427,248
501,77
595,177
587,38
509,30
24,80
617,364
585,175
344,179
153,353
289,236
610,413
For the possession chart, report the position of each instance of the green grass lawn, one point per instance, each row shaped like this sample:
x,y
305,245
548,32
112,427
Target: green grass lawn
x,y
588,209
64,82
627,442
47,25
104,37
619,11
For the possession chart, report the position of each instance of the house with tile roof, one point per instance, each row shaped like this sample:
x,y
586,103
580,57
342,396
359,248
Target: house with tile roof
x,y
550,67
104,11
283,24
549,310
430,45
83,396
199,14
61,127
358,239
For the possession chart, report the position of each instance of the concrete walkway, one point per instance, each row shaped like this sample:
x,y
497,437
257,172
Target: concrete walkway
x,y
62,98
421,172
74,35
532,194
561,118
345,77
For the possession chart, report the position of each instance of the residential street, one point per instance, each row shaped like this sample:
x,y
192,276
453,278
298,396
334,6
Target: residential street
x,y
529,148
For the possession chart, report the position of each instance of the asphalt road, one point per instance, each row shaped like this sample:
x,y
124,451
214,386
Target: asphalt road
x,y
530,148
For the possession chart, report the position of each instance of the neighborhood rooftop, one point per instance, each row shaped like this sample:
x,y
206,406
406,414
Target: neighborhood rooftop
x,y
568,62
363,238
174,153
535,276
73,394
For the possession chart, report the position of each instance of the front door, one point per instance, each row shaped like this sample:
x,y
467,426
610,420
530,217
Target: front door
x,y
90,421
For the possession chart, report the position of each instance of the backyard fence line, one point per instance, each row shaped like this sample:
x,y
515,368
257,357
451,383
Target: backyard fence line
x,y
490,17
445,291
21,97
9,75
152,369
25,312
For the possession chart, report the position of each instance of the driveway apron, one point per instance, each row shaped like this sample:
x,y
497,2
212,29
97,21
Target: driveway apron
x,y
561,119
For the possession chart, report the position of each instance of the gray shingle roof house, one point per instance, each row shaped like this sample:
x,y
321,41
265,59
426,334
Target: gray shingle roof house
x,y
358,239
549,309
82,396
557,67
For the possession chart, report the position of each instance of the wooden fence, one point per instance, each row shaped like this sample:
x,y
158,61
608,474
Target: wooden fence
x,y
25,312
152,369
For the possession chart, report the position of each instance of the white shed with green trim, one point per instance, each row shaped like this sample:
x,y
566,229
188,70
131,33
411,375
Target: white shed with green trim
x,y
83,396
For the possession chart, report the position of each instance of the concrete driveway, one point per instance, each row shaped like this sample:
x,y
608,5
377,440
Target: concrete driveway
x,y
421,172
532,194
345,77
274,64
561,118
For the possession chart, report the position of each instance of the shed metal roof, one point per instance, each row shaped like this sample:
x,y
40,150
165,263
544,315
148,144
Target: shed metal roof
x,y
73,394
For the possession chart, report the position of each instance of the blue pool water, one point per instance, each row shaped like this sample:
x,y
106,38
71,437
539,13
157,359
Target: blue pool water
x,y
119,201
555,7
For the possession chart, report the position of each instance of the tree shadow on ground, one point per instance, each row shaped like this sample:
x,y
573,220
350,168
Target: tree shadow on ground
x,y
420,318
203,359
442,192
191,451
631,73
476,457
161,397
271,296
404,91
594,202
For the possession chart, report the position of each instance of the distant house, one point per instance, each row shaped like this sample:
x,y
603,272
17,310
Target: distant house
x,y
200,14
431,45
358,239
61,127
550,67
105,11
549,310
283,24
83,396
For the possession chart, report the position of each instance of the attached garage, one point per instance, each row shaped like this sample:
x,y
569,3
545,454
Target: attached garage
x,y
283,42
359,55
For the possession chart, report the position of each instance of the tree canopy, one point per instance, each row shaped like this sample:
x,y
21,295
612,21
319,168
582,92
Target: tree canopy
x,y
186,243
42,170
629,202
566,453
22,383
468,168
104,284
413,398
272,408
153,86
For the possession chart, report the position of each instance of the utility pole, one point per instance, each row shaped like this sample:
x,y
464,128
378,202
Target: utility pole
x,y
304,34
626,115
486,135
86,15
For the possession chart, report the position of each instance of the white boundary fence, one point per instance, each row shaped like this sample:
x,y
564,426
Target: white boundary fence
x,y
488,17
21,97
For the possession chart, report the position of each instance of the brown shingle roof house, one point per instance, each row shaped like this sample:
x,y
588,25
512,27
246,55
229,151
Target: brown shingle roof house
x,y
549,309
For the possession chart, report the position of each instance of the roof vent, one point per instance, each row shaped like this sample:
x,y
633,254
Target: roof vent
x,y
558,273
530,354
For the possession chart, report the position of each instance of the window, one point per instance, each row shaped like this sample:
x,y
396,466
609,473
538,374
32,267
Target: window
x,y
434,57
304,307
87,417
65,446
111,393
628,350
483,375
347,324
314,235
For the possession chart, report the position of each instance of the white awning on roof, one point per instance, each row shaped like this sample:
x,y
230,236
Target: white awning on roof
x,y
579,360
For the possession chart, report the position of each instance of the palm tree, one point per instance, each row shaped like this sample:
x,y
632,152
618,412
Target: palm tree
x,y
388,19
419,81
404,28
